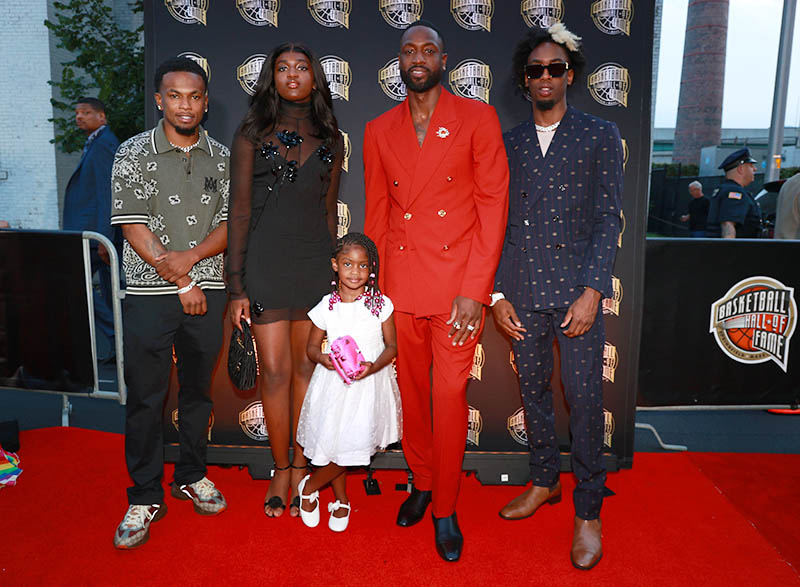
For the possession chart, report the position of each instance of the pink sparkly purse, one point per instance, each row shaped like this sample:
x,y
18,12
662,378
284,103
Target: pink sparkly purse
x,y
347,358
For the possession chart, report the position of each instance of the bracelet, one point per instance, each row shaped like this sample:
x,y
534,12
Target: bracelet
x,y
496,297
187,288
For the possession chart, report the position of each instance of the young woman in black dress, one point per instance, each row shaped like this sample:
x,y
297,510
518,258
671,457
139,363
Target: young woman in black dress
x,y
285,167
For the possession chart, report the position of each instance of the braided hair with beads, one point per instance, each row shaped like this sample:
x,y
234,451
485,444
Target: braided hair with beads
x,y
372,296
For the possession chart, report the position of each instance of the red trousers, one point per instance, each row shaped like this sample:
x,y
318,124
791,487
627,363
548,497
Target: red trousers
x,y
434,405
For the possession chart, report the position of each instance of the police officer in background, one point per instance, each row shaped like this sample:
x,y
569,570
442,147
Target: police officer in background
x,y
734,213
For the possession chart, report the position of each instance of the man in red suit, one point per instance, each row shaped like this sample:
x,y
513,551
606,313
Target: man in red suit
x,y
436,179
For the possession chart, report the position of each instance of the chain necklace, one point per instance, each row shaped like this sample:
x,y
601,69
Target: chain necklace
x,y
550,128
186,149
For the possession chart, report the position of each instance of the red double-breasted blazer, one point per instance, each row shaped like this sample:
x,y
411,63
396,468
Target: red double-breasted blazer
x,y
438,212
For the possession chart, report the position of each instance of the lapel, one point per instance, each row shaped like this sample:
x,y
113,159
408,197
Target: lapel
x,y
442,134
562,149
402,139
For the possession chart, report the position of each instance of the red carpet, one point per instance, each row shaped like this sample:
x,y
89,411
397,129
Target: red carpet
x,y
669,524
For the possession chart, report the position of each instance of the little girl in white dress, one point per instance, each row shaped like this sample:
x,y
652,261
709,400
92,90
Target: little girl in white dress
x,y
343,425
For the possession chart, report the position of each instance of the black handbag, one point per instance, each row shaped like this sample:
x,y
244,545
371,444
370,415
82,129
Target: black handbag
x,y
242,360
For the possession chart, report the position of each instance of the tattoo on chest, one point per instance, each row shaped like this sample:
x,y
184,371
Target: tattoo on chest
x,y
421,127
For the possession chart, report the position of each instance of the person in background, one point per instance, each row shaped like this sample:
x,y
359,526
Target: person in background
x,y
697,211
87,206
733,212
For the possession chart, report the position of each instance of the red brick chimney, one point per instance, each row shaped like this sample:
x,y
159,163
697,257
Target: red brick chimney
x,y
702,80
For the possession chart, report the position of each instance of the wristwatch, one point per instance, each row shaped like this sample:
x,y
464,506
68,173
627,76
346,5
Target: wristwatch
x,y
496,297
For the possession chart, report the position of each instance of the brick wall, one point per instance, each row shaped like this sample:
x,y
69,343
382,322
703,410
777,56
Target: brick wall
x,y
28,194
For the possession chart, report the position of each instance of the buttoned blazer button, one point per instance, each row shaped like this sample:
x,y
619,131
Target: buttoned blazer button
x,y
442,213
407,215
562,187
449,178
526,222
396,183
524,194
524,250
559,246
445,248
556,218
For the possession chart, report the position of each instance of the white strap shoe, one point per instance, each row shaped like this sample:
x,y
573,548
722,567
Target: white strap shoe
x,y
338,524
310,519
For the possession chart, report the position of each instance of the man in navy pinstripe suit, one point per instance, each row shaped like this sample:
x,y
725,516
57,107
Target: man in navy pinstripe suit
x,y
559,249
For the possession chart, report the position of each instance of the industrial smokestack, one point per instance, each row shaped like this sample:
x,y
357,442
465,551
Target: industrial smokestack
x,y
702,80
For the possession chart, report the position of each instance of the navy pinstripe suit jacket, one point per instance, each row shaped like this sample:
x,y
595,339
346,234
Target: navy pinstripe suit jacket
x,y
564,212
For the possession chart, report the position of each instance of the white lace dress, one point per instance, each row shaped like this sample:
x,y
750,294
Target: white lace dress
x,y
347,424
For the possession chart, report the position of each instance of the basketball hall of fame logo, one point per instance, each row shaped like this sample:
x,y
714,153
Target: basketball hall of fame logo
x,y
337,72
260,12
611,305
625,154
176,422
755,320
188,11
348,147
390,82
609,85
400,13
331,13
474,427
608,427
472,78
199,60
610,361
251,419
473,15
613,17
476,371
247,73
622,225
541,13
343,219
516,427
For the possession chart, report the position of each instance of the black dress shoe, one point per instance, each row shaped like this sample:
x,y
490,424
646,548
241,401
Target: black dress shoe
x,y
449,540
413,507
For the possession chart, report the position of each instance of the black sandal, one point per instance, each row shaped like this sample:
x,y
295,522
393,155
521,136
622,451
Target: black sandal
x,y
276,501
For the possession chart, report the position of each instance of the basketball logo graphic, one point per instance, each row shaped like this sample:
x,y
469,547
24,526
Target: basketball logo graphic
x,y
609,85
331,13
343,222
188,11
477,362
247,73
259,12
337,72
541,13
608,427
390,81
474,427
611,305
473,15
251,420
610,361
176,422
516,427
754,321
471,78
348,147
199,60
400,13
613,17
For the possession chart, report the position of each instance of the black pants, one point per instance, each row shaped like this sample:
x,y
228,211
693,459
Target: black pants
x,y
152,324
581,374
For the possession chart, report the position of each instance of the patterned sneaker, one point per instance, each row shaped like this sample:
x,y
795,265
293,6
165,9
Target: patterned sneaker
x,y
134,530
207,498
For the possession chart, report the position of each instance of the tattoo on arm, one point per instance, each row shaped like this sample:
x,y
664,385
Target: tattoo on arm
x,y
728,230
156,248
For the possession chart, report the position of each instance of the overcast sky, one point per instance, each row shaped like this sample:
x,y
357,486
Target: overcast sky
x,y
753,34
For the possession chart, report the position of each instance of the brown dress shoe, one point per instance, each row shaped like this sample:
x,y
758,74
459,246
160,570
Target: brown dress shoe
x,y
587,544
526,504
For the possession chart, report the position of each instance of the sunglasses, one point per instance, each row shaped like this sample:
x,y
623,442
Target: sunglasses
x,y
536,70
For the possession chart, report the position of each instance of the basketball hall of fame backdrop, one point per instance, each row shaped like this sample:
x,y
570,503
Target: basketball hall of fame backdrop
x,y
358,42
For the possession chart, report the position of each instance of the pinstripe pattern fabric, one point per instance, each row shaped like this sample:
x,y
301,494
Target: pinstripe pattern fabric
x,y
564,210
